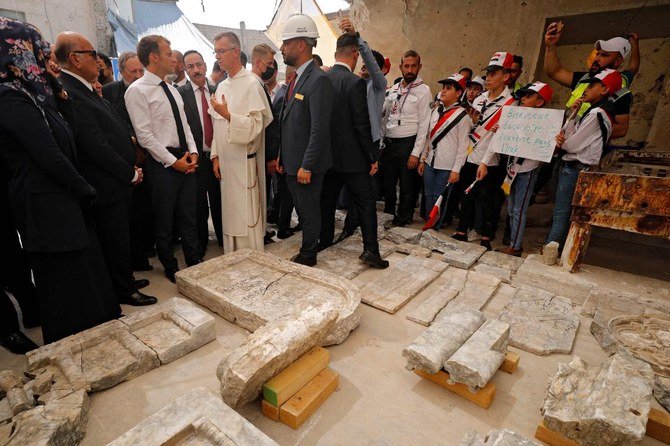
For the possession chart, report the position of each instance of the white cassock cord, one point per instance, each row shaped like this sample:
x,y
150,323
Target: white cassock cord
x,y
258,218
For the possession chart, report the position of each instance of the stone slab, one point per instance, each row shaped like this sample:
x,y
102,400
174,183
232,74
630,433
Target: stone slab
x,y
251,288
646,337
540,322
501,260
448,285
285,249
413,250
601,405
269,350
554,279
435,346
399,235
662,391
456,253
475,294
384,222
477,360
504,274
342,259
504,437
396,285
197,418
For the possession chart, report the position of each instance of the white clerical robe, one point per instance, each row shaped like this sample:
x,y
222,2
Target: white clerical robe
x,y
242,175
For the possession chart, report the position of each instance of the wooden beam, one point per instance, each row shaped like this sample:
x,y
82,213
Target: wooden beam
x,y
510,363
658,425
308,399
270,411
552,438
483,397
294,377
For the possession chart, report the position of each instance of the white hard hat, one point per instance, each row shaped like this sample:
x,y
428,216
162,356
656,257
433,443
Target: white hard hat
x,y
299,25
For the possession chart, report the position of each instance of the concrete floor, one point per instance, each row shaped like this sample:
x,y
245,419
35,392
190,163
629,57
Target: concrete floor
x,y
378,402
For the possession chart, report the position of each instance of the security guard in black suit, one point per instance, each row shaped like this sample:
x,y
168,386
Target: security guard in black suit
x,y
354,154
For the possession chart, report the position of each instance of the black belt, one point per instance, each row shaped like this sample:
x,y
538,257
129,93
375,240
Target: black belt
x,y
251,155
176,151
399,140
207,155
574,164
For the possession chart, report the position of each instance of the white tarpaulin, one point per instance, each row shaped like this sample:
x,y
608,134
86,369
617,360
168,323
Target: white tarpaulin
x,y
327,36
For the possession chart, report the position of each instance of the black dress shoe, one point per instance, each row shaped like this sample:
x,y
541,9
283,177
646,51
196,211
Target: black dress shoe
x,y
284,234
140,283
169,273
267,239
374,260
146,267
486,244
460,237
17,343
138,299
343,235
297,228
303,260
323,246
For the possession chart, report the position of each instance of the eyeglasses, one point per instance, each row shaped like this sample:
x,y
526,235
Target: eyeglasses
x,y
223,51
93,53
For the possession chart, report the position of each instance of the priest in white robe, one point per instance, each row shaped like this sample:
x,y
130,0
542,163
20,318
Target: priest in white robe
x,y
240,112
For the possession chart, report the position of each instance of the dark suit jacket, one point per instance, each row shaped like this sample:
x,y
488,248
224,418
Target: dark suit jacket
x,y
114,92
305,124
272,135
350,131
38,164
106,152
191,110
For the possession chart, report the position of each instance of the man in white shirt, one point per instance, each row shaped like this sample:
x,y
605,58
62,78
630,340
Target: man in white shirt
x,y
405,121
241,111
156,110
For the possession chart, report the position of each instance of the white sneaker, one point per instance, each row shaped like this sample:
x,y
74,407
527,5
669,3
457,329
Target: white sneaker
x,y
473,235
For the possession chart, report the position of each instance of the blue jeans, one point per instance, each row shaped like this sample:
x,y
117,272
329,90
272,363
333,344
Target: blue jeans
x,y
517,205
434,182
567,181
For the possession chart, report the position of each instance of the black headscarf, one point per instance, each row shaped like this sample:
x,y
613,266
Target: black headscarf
x,y
23,60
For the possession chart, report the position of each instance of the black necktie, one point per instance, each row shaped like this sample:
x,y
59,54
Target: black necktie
x,y
177,118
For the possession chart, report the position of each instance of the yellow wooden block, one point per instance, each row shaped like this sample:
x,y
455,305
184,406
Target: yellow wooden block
x,y
658,425
308,399
552,438
483,397
294,377
270,411
510,363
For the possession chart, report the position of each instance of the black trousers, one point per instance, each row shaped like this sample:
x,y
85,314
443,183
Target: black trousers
x,y
209,198
113,231
362,197
173,196
499,196
141,223
283,202
483,194
394,157
307,200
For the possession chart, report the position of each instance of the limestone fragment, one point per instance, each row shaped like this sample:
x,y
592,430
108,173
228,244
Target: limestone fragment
x,y
413,250
456,253
662,390
477,360
501,260
504,274
550,253
602,405
504,437
251,289
400,235
434,346
342,259
395,286
198,417
269,350
540,322
476,293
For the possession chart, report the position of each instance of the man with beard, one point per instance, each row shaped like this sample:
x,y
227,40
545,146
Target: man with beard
x,y
405,121
305,153
178,78
609,54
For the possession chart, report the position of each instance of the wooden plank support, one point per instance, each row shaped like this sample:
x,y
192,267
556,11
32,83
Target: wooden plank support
x,y
270,411
510,363
483,397
552,438
294,377
658,425
308,399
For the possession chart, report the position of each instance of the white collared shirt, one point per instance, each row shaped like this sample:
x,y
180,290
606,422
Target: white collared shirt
x,y
452,150
198,102
151,115
480,154
584,138
79,78
301,69
182,82
274,91
411,114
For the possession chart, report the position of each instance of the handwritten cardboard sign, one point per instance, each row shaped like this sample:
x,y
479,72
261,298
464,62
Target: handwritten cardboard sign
x,y
527,132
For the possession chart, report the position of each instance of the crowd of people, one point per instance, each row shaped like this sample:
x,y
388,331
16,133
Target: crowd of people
x,y
100,175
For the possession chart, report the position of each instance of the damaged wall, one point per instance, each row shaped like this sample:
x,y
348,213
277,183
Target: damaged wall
x,y
452,34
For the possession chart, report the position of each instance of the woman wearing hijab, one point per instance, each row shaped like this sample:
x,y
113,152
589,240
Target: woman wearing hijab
x,y
48,196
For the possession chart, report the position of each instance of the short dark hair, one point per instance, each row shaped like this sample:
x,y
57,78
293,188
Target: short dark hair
x,y
243,58
216,68
379,58
519,60
469,70
189,52
410,53
147,45
317,59
105,59
346,41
